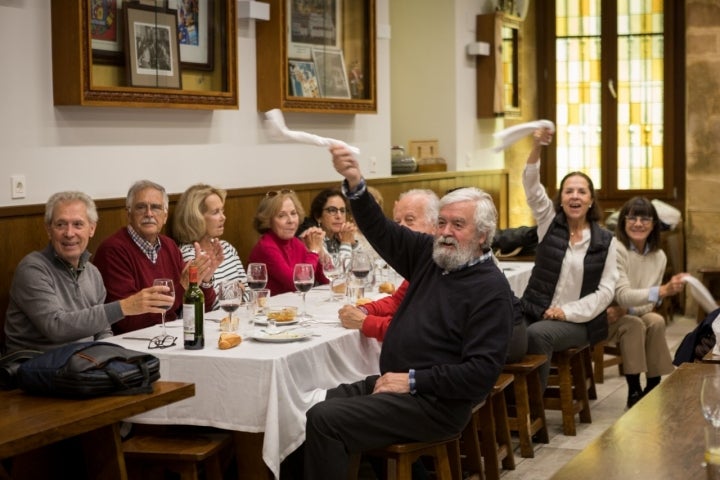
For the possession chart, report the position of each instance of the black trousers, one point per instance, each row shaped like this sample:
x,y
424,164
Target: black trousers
x,y
352,420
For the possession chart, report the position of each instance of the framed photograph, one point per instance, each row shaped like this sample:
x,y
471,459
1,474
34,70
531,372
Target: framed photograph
x,y
195,20
106,28
330,70
312,24
151,47
303,79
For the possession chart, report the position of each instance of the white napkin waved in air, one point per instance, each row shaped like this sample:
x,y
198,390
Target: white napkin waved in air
x,y
700,294
507,137
276,124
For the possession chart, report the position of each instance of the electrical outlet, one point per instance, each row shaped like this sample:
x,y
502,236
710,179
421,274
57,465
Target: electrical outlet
x,y
423,149
17,186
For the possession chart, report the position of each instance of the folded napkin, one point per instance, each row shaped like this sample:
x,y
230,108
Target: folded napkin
x,y
507,137
276,125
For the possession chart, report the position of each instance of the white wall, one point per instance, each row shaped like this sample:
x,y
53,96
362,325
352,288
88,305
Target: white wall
x,y
433,81
103,150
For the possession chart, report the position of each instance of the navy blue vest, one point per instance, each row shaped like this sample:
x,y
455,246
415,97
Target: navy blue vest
x,y
548,262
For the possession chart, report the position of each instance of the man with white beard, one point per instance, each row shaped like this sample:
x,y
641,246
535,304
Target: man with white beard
x,y
446,344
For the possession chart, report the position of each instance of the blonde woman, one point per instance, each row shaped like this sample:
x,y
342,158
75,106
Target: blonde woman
x,y
200,217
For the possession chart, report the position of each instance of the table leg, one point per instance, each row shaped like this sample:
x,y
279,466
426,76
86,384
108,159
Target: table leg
x,y
103,453
248,448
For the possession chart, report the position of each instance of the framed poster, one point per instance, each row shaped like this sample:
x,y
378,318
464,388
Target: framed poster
x,y
303,79
195,20
312,24
106,31
151,47
331,74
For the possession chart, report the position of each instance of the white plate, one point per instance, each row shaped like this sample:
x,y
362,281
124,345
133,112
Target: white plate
x,y
280,337
263,321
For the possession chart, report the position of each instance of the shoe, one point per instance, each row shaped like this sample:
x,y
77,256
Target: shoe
x,y
633,398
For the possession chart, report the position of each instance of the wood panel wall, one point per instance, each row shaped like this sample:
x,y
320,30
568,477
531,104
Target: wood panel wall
x,y
23,228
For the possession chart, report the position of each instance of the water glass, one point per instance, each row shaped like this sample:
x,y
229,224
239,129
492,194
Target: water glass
x,y
712,452
246,315
710,399
262,297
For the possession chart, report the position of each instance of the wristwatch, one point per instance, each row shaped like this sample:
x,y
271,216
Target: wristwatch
x,y
411,381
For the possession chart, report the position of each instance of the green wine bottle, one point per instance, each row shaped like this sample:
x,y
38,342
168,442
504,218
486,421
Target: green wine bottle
x,y
193,313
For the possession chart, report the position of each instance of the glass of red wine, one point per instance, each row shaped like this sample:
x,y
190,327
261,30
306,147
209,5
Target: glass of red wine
x,y
257,275
165,282
304,279
231,294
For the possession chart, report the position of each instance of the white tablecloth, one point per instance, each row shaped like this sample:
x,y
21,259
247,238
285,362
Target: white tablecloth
x,y
518,274
261,387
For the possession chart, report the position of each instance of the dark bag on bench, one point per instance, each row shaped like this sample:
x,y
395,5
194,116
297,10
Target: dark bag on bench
x,y
89,369
9,365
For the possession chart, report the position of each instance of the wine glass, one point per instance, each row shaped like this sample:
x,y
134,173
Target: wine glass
x,y
304,279
165,282
231,293
332,269
257,275
710,399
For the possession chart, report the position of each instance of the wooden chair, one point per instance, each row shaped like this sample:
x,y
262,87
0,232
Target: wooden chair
x,y
526,412
601,362
490,420
152,455
570,386
400,457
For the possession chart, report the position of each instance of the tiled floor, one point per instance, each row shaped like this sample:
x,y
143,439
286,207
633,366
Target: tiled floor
x,y
609,406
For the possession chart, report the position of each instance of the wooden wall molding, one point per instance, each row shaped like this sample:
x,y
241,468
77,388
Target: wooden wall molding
x,y
23,227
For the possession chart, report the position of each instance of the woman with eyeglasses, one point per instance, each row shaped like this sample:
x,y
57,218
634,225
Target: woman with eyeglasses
x,y
634,326
329,210
200,217
277,220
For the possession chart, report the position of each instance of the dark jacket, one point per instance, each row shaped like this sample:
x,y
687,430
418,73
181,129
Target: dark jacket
x,y
548,262
698,342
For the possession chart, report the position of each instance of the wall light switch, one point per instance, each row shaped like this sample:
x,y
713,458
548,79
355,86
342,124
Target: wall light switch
x,y
17,186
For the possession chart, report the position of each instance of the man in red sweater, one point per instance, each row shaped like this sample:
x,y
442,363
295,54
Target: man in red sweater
x,y
417,210
131,258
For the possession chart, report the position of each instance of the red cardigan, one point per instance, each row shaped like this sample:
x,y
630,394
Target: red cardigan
x,y
380,312
126,270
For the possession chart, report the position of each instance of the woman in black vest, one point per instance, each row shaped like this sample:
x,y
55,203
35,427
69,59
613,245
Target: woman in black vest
x,y
575,272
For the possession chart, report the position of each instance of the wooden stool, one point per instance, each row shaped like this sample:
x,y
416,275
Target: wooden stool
x,y
150,455
570,386
401,456
527,415
600,363
491,420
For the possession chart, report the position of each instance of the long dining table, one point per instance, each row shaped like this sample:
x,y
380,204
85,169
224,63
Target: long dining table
x,y
261,387
264,389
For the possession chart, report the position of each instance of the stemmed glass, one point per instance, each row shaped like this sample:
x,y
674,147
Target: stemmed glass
x,y
304,279
257,275
710,399
231,293
165,282
332,269
360,265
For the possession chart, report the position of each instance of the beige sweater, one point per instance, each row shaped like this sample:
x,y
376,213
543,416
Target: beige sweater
x,y
638,273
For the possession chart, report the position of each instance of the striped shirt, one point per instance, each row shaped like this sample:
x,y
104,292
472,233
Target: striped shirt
x,y
230,269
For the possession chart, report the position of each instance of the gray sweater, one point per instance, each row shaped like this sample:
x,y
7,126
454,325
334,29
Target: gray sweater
x,y
50,305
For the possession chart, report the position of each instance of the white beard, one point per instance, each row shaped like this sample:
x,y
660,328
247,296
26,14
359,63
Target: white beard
x,y
448,259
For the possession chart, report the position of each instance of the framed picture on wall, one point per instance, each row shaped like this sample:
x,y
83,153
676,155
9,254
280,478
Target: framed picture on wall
x,y
106,28
195,20
312,24
331,74
303,79
151,47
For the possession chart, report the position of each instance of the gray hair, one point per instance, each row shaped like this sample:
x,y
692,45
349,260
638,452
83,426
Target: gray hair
x,y
432,202
70,196
485,212
142,185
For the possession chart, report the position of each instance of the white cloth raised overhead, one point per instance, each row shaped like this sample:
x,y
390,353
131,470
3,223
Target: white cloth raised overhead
x,y
507,137
276,124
